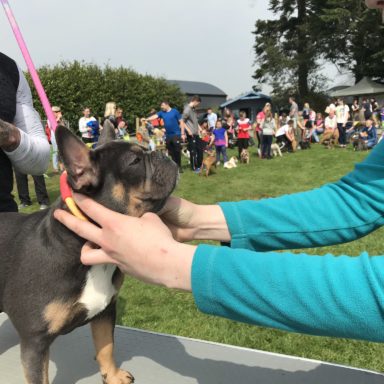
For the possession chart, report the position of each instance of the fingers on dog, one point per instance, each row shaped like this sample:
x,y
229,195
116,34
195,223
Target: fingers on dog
x,y
82,228
94,256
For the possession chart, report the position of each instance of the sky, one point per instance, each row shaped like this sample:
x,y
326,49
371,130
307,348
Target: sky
x,y
199,40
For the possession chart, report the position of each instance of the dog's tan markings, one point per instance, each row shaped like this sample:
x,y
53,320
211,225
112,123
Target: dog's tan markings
x,y
118,279
135,205
118,192
102,332
56,314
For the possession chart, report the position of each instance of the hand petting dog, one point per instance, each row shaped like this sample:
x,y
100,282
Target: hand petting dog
x,y
155,260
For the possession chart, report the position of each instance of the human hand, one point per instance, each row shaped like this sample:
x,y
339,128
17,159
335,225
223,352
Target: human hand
x,y
142,247
188,221
9,136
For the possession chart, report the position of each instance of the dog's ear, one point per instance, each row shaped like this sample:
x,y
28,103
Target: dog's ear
x,y
107,133
76,158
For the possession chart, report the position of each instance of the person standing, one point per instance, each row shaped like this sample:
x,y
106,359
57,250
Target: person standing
x,y
243,128
85,130
23,143
269,129
342,116
172,123
212,118
195,146
220,139
293,111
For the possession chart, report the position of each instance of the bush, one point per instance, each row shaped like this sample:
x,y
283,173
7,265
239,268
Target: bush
x,y
74,85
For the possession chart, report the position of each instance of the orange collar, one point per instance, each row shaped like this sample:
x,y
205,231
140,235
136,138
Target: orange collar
x,y
66,196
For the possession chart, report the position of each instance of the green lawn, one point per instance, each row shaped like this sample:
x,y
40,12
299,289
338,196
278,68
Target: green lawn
x,y
162,310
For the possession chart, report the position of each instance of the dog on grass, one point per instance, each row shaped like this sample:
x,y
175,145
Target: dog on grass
x,y
330,138
231,163
208,162
276,151
244,156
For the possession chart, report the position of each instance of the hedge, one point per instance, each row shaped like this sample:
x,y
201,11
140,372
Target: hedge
x,y
74,85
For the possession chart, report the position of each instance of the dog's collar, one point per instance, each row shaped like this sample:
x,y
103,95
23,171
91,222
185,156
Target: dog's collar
x,y
66,196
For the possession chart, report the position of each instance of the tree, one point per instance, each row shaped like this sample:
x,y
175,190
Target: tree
x,y
286,47
352,38
74,85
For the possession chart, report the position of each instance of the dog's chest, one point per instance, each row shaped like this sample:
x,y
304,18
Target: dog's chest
x,y
98,290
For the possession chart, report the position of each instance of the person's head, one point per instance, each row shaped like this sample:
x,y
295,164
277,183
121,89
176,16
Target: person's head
x,y
110,109
291,100
268,114
319,116
306,106
165,106
368,123
218,124
340,101
87,111
204,124
119,112
290,123
209,110
57,112
331,113
242,115
355,101
195,101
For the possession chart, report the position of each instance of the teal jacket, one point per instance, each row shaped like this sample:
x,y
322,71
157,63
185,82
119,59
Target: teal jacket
x,y
321,295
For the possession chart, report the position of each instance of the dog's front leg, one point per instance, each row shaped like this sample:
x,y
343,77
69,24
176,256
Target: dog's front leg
x,y
102,331
35,359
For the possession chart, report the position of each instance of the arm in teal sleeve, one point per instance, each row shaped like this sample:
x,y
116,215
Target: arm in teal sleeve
x,y
320,295
336,213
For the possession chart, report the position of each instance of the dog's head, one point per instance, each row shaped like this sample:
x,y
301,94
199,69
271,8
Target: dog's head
x,y
121,176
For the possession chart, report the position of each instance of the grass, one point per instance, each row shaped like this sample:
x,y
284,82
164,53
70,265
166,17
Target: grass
x,y
163,310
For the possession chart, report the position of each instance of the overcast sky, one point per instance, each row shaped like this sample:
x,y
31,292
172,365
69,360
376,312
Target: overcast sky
x,y
201,40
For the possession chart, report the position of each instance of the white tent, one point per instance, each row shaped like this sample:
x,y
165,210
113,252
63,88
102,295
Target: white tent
x,y
365,86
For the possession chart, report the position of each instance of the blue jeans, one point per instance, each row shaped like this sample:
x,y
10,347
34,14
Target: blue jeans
x,y
221,149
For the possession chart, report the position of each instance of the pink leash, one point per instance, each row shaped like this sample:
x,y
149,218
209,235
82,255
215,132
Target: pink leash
x,y
31,68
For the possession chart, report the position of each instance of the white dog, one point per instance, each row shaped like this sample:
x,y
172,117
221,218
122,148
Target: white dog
x,y
276,150
231,163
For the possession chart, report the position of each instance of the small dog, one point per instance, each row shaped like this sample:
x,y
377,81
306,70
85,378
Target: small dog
x,y
44,289
208,163
244,156
231,163
358,143
186,154
330,138
276,151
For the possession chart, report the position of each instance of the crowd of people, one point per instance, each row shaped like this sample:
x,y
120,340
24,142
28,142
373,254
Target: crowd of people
x,y
172,130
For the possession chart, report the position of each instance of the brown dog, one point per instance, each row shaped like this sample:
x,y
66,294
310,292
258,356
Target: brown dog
x,y
244,156
208,163
330,138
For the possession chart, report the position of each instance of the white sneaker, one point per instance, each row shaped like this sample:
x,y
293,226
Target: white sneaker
x,y
218,163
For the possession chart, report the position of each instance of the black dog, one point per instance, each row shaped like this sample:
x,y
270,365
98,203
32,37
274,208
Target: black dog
x,y
44,288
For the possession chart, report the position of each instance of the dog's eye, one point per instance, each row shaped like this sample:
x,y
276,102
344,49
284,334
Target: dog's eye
x,y
135,161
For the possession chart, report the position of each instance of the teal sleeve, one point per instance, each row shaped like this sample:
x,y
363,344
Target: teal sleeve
x,y
335,213
320,295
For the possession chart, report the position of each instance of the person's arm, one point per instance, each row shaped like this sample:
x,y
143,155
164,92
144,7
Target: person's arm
x,y
153,117
321,295
31,155
226,139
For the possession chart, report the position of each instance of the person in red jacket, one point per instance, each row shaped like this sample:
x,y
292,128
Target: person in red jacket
x,y
243,128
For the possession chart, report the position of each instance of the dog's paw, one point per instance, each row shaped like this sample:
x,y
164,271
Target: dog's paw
x,y
121,377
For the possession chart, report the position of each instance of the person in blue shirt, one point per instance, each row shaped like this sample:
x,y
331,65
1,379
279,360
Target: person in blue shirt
x,y
369,134
249,281
174,130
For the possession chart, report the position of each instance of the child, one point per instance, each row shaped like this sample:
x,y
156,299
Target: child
x,y
220,139
243,128
269,129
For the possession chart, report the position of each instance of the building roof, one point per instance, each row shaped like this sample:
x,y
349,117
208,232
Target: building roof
x,y
198,88
251,95
365,86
